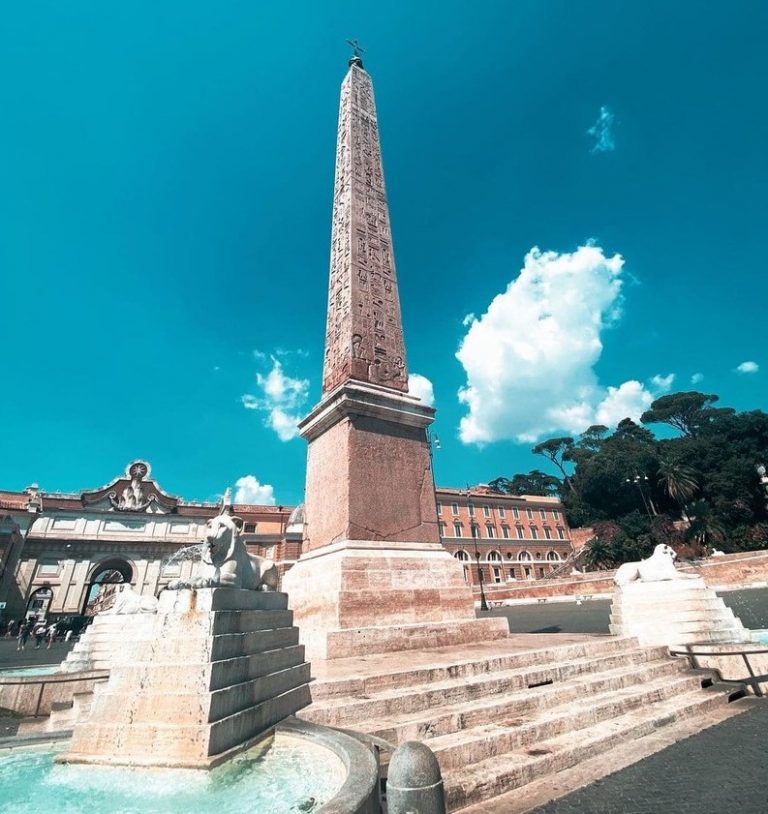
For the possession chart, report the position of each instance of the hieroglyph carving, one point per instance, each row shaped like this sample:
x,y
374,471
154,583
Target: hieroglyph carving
x,y
364,338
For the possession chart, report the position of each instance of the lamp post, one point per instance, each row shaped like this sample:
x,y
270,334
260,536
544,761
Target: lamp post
x,y
471,510
638,480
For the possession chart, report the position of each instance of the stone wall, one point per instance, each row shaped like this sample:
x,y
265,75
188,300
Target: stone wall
x,y
730,570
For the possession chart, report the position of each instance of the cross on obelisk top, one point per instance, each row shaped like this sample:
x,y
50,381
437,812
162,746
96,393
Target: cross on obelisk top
x,y
357,53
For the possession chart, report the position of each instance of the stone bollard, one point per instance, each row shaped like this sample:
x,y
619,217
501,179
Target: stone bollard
x,y
414,782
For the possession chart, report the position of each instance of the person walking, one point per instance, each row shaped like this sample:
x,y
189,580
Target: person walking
x,y
39,635
50,635
25,628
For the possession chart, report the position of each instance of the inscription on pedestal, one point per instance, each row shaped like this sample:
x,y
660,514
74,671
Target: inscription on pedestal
x,y
364,339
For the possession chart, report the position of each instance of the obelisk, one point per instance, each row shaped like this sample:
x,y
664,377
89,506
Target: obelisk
x,y
373,576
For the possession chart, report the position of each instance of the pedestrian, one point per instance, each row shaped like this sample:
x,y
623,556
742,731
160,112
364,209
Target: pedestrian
x,y
12,628
24,630
50,636
39,635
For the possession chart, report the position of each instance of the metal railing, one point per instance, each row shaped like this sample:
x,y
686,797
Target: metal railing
x,y
752,679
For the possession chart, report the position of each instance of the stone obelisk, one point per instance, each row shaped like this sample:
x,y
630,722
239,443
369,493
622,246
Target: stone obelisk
x,y
373,576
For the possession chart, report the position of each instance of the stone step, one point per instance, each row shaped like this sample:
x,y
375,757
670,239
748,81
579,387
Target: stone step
x,y
687,615
188,676
512,770
474,745
467,668
357,708
685,626
512,706
167,744
197,706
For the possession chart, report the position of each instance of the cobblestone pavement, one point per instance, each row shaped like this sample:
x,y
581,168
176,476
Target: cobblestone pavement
x,y
751,606
10,657
722,770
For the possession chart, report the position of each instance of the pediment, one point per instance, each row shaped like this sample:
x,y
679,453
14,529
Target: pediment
x,y
132,493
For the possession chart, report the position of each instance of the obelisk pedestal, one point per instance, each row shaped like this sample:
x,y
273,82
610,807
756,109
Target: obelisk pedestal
x,y
373,577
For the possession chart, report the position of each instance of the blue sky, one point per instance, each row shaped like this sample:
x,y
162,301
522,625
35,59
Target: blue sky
x,y
166,174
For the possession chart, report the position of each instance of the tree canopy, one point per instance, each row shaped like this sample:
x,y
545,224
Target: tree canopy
x,y
697,490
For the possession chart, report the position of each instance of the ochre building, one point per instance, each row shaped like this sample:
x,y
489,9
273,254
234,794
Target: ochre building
x,y
57,550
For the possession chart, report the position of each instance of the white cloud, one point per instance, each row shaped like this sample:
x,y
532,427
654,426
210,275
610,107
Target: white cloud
x,y
663,384
249,490
697,377
468,320
282,399
421,387
529,358
748,367
602,132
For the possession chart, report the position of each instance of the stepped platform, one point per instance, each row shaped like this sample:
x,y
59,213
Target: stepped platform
x,y
502,715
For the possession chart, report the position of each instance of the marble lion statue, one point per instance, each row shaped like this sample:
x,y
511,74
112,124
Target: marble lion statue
x,y
658,567
129,601
226,563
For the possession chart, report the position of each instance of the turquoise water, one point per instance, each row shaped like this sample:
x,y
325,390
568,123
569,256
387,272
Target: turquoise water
x,y
38,670
295,777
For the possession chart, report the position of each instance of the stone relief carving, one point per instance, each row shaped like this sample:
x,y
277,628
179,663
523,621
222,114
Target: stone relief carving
x,y
658,567
133,498
364,337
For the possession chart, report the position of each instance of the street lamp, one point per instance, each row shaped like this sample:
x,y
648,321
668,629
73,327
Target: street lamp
x,y
638,480
471,510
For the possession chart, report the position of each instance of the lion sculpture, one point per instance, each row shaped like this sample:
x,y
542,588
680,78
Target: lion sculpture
x,y
226,562
658,567
129,601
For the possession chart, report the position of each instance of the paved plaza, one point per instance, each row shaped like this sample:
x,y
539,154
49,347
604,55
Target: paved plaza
x,y
591,616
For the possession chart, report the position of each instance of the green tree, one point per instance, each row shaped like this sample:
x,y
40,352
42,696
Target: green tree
x,y
534,482
556,450
678,480
687,412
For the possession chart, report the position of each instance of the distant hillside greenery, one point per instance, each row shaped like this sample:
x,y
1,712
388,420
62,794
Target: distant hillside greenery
x,y
697,491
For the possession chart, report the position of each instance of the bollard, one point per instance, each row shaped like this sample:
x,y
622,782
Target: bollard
x,y
414,782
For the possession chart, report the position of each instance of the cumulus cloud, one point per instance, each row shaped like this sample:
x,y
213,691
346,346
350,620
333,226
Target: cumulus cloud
x,y
748,367
696,378
602,132
281,398
529,358
421,387
663,384
249,490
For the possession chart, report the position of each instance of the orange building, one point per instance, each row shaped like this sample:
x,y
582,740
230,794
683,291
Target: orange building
x,y
57,551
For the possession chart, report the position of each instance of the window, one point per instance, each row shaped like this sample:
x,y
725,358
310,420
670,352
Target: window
x,y
439,508
489,531
486,511
516,514
505,532
548,532
457,530
520,533
542,514
556,514
511,573
541,572
500,510
471,508
249,528
443,529
553,556
475,531
524,555
529,513
497,575
561,534
534,534
454,508
494,556
462,556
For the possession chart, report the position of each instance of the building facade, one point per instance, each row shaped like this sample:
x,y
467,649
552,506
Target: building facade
x,y
59,551
502,538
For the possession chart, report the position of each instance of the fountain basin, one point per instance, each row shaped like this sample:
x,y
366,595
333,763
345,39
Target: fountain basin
x,y
299,768
31,692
